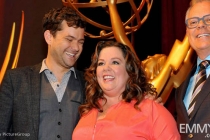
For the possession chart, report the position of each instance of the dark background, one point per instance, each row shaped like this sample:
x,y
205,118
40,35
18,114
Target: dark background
x,y
164,25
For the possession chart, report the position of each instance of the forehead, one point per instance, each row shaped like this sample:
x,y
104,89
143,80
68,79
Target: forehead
x,y
71,31
111,51
200,9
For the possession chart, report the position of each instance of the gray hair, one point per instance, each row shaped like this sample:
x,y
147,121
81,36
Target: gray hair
x,y
192,3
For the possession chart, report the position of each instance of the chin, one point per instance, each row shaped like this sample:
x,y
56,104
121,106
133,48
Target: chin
x,y
69,65
201,45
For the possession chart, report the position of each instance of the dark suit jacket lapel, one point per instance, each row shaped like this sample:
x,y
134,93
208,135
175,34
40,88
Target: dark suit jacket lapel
x,y
201,96
182,92
80,77
35,96
180,104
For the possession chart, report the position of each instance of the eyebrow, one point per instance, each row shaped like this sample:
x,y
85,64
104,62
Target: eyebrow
x,y
75,37
111,59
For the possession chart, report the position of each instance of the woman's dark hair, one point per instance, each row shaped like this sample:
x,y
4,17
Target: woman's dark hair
x,y
137,85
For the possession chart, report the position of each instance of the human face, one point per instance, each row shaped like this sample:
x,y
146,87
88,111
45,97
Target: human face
x,y
111,72
66,46
199,37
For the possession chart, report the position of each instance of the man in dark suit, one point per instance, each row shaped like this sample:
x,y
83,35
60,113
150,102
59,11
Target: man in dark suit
x,y
193,103
41,101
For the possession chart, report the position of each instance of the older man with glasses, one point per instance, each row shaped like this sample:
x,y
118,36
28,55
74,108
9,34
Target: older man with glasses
x,y
193,96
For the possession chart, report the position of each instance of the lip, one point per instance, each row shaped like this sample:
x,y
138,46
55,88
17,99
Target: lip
x,y
70,54
108,77
203,35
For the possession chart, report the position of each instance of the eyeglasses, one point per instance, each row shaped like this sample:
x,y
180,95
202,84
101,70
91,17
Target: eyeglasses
x,y
193,22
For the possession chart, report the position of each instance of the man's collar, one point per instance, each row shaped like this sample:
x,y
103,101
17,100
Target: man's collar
x,y
44,67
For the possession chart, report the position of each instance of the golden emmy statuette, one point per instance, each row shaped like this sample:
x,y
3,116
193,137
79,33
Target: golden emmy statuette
x,y
168,72
164,72
118,29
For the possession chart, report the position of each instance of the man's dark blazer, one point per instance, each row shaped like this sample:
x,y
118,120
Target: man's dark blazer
x,y
200,115
20,102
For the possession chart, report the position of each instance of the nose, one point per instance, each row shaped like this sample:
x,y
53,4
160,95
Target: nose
x,y
201,24
106,67
75,45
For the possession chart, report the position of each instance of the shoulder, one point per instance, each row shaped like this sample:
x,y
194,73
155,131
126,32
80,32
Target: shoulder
x,y
80,75
90,114
148,104
150,107
24,69
18,77
78,72
161,120
21,72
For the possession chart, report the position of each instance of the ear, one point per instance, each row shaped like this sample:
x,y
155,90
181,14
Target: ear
x,y
187,31
48,37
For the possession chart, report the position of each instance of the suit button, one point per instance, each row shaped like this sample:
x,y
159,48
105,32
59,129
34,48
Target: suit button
x,y
58,136
60,110
59,123
190,136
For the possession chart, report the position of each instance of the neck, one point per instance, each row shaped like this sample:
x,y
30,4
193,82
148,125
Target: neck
x,y
57,69
110,102
203,54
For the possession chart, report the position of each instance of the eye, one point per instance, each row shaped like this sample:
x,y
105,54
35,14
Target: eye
x,y
100,63
192,22
115,62
207,20
81,42
70,40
